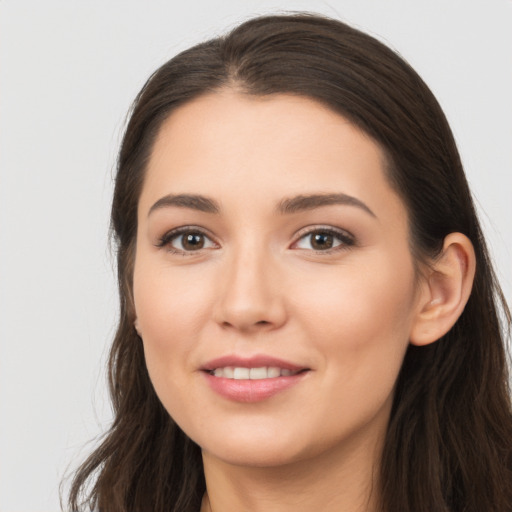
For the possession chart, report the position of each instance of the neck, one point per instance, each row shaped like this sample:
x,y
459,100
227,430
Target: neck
x,y
345,479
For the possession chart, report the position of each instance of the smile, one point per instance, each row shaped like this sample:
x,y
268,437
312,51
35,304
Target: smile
x,y
242,373
252,379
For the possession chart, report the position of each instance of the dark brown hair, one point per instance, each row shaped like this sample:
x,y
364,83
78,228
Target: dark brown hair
x,y
449,440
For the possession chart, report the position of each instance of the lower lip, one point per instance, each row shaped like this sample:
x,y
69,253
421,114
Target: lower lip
x,y
246,390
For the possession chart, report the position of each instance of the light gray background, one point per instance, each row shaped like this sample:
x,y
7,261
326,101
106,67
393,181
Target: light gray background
x,y
68,72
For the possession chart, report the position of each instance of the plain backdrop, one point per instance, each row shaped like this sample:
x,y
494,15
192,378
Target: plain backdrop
x,y
68,73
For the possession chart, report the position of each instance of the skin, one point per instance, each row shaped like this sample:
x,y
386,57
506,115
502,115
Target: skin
x,y
259,287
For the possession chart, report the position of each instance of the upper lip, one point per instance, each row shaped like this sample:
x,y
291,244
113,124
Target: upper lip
x,y
256,361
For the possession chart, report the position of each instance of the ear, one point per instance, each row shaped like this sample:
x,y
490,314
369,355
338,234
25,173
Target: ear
x,y
446,290
136,325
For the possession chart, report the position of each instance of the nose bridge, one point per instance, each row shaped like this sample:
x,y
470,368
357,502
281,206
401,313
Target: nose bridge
x,y
249,296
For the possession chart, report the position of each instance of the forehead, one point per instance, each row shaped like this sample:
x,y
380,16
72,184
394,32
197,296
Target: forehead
x,y
246,148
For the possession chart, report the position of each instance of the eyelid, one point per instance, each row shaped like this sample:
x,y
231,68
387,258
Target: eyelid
x,y
348,239
165,240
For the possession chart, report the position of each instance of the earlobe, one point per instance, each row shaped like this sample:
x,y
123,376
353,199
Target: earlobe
x,y
446,290
136,325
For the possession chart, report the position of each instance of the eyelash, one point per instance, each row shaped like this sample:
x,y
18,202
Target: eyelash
x,y
344,237
167,239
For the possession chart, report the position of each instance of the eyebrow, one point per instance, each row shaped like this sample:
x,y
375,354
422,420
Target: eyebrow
x,y
310,202
192,201
286,206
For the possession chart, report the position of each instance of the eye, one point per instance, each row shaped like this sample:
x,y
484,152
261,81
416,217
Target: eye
x,y
324,240
185,240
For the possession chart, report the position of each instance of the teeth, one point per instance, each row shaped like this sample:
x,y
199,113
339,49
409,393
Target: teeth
x,y
229,372
239,373
273,372
258,373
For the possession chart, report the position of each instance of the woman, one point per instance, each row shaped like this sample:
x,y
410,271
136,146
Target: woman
x,y
309,318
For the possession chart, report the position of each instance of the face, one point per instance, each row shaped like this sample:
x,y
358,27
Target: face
x,y
274,287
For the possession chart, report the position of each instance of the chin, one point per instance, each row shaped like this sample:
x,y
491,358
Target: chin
x,y
261,448
254,455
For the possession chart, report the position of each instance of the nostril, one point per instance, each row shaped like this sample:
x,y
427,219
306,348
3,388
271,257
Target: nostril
x,y
259,323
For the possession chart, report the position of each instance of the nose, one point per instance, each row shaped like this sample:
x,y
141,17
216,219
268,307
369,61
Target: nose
x,y
251,296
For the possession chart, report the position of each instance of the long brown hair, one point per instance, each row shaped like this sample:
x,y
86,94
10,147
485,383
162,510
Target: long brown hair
x,y
449,440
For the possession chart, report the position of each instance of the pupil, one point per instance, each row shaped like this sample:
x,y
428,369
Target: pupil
x,y
193,241
322,241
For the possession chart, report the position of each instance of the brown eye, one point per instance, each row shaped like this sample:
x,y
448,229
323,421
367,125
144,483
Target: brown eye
x,y
186,240
321,241
192,241
324,240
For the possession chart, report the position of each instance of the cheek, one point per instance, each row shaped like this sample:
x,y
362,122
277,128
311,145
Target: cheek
x,y
360,325
165,318
171,311
166,302
361,317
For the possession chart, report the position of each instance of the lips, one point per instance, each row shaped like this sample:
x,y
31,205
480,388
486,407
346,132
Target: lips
x,y
256,361
251,379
